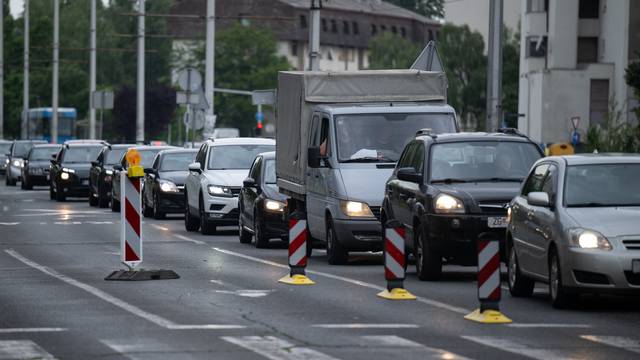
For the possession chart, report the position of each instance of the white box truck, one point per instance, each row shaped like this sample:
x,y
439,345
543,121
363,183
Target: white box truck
x,y
338,137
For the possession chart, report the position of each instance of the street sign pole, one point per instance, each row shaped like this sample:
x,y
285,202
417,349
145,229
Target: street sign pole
x,y
140,97
92,71
25,77
54,96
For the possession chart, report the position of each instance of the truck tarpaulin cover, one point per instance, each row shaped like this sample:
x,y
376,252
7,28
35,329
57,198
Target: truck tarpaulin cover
x,y
298,92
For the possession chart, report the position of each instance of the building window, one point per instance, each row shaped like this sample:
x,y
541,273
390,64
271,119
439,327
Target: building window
x,y
345,27
394,29
383,28
587,49
303,22
334,26
354,25
324,25
294,48
534,6
403,32
589,9
598,102
536,46
374,29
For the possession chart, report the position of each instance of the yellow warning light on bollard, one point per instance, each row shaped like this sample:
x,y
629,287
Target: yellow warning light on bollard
x,y
133,158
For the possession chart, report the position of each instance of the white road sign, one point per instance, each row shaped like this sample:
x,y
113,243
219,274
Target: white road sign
x,y
189,79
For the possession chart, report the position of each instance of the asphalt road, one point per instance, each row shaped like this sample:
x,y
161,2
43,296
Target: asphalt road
x,y
55,303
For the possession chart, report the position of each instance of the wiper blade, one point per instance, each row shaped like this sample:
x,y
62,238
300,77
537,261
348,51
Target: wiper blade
x,y
591,204
501,179
369,159
449,181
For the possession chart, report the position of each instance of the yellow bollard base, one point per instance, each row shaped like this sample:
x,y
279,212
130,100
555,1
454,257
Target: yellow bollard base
x,y
296,280
135,171
397,294
488,317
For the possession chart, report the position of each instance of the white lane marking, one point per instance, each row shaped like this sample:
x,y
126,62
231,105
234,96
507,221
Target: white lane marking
x,y
276,349
31,330
518,348
625,343
9,223
99,222
144,349
189,239
134,310
423,300
397,341
67,223
22,349
160,227
366,326
542,325
217,282
246,293
5,208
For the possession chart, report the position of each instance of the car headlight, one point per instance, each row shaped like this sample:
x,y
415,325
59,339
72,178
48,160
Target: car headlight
x,y
6,161
508,214
17,163
108,172
168,186
64,176
448,204
588,239
70,171
272,205
355,209
217,190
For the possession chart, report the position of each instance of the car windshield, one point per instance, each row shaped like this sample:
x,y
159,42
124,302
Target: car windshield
x,y
43,153
366,137
81,154
177,161
270,172
482,161
114,155
235,156
22,148
147,157
602,185
4,148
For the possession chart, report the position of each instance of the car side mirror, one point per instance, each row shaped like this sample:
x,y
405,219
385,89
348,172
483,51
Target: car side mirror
x,y
539,198
149,171
195,167
313,157
249,182
117,167
95,163
409,174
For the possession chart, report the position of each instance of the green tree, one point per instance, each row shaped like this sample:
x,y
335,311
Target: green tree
x,y
391,51
428,8
632,77
510,75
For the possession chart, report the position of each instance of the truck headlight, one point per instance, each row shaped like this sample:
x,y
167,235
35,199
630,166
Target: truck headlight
x,y
218,190
355,209
588,239
272,205
168,186
447,204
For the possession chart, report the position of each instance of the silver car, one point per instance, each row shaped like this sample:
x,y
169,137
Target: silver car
x,y
576,226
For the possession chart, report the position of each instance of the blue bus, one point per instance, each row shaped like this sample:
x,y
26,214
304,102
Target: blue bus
x,y
39,124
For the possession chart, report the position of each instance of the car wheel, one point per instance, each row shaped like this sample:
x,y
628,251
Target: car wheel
x,y
206,227
561,297
262,240
336,253
519,286
23,185
52,194
146,211
157,214
115,205
10,182
428,261
60,195
243,234
93,200
103,202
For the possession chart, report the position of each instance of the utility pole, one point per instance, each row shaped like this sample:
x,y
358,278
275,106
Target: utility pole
x,y
25,77
494,69
210,56
1,71
140,101
314,35
54,95
92,71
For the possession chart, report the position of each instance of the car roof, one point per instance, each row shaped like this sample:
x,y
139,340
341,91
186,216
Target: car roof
x,y
268,155
2,141
606,158
31,141
474,136
178,151
151,147
241,141
40,146
121,146
84,145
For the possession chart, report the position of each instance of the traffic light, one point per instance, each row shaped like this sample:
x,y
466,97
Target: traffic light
x,y
259,128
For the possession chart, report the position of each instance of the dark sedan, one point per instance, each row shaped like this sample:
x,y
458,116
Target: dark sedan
x,y
15,159
263,208
101,173
163,190
37,163
147,155
5,145
70,170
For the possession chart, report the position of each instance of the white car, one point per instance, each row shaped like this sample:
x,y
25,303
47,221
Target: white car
x,y
215,180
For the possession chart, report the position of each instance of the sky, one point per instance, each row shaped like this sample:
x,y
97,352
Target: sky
x,y
17,6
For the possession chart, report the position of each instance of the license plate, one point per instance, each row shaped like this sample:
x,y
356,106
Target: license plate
x,y
48,177
497,222
635,266
85,182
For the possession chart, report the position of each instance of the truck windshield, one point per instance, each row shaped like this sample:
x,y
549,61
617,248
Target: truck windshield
x,y
382,137
476,161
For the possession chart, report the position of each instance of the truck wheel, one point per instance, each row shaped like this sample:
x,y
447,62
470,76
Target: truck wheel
x,y
336,253
243,234
428,262
206,227
262,240
519,286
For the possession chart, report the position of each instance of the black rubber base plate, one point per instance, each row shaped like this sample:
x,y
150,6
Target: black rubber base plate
x,y
141,275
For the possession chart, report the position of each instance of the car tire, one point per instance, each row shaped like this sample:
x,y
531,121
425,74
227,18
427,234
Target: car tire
x,y
115,205
157,214
561,297
519,285
243,234
52,194
60,195
191,223
336,253
103,201
262,240
146,211
93,201
10,182
206,227
428,261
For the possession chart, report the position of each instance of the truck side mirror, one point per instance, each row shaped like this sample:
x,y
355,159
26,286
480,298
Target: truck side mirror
x,y
313,157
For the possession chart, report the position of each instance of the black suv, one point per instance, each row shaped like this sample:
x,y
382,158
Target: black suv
x,y
448,189
101,173
35,171
70,170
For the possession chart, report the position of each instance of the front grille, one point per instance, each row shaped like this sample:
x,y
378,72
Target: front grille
x,y
498,207
232,214
633,279
588,277
631,244
376,211
216,207
235,191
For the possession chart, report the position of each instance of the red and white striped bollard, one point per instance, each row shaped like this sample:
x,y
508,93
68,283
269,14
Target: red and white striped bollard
x,y
394,262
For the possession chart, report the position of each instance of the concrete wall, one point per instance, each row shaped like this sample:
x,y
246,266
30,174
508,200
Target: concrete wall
x,y
563,32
